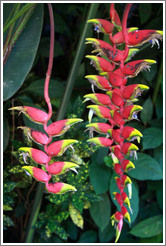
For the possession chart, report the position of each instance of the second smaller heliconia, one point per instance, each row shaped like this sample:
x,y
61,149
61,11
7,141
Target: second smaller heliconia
x,y
115,103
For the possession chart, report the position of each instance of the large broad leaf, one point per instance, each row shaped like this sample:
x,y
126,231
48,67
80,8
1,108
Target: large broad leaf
x,y
147,112
145,10
23,54
146,168
149,227
101,211
88,237
152,138
100,177
134,202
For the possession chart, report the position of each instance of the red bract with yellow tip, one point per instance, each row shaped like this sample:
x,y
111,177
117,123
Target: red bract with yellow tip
x,y
119,100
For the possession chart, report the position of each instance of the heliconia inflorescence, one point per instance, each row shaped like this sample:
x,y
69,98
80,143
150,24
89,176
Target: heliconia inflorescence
x,y
54,149
116,105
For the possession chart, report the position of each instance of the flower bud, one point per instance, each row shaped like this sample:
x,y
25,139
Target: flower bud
x,y
59,147
139,37
58,168
98,98
125,214
130,112
102,25
116,99
34,114
99,81
36,136
101,111
101,64
115,18
127,165
37,173
58,128
101,141
36,155
133,91
131,69
59,188
99,127
129,133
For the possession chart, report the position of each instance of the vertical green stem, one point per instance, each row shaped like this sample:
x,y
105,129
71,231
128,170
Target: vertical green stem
x,y
77,61
69,87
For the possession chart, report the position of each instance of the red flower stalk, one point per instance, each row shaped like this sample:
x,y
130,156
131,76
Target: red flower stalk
x,y
55,129
116,106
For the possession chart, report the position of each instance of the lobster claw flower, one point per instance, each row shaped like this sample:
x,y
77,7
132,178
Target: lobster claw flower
x,y
101,64
100,45
130,112
102,25
115,18
37,173
115,79
58,128
100,141
118,198
117,220
127,165
101,128
36,136
115,135
118,37
98,98
125,214
99,81
59,147
129,149
35,154
118,168
131,69
34,114
117,118
116,99
59,188
126,201
133,91
101,111
131,54
116,150
139,37
129,133
58,168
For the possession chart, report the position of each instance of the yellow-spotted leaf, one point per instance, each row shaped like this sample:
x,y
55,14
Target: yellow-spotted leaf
x,y
76,216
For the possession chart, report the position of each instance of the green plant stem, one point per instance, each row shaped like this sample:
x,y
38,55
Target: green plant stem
x,y
20,13
159,78
69,87
76,63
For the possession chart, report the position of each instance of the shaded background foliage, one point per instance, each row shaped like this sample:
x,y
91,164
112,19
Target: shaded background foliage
x,y
85,215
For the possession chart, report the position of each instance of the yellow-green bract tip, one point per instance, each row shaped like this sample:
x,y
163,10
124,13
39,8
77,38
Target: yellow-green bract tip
x,y
93,21
150,61
160,32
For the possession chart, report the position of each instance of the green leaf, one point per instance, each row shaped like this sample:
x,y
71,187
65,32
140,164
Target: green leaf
x,y
5,133
149,227
134,202
99,155
53,226
107,234
159,106
152,138
76,216
149,76
7,221
20,210
146,168
72,230
158,155
89,236
100,177
147,112
23,54
159,195
155,239
9,186
56,88
145,10
100,212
